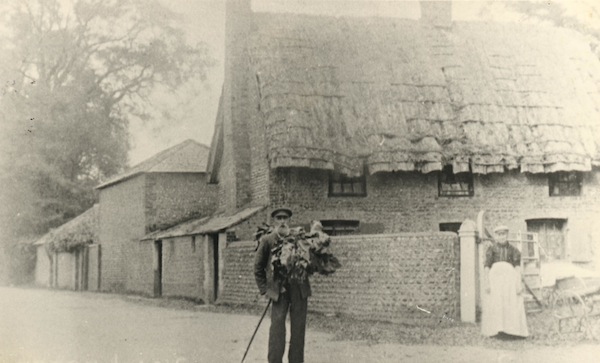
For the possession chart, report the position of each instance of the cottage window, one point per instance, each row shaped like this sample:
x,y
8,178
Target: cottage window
x,y
450,227
341,185
564,184
455,185
338,227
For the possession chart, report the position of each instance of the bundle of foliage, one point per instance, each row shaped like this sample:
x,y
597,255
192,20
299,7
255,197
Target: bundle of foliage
x,y
298,254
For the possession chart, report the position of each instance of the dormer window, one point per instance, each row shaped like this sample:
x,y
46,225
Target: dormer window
x,y
565,183
341,185
455,185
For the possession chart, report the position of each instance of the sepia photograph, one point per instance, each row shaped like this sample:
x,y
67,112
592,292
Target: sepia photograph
x,y
302,181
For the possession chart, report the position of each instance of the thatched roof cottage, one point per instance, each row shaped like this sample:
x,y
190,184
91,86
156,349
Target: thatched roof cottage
x,y
377,125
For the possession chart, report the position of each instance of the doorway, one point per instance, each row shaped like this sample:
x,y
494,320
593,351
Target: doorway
x,y
551,237
157,268
215,263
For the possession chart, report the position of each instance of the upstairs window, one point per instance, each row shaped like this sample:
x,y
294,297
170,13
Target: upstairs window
x,y
565,183
339,227
455,185
343,186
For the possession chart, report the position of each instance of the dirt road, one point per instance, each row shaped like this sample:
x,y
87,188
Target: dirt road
x,y
60,326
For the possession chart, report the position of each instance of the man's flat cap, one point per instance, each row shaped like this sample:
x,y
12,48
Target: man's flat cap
x,y
281,210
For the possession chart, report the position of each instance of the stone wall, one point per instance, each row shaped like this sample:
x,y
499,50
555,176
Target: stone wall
x,y
172,197
383,277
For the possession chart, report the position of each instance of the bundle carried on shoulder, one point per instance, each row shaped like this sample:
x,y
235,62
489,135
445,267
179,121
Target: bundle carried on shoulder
x,y
298,254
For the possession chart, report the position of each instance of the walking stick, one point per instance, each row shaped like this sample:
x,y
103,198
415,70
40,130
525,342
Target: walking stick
x,y
255,330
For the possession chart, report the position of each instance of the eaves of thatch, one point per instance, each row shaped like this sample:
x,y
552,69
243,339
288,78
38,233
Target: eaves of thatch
x,y
79,231
401,95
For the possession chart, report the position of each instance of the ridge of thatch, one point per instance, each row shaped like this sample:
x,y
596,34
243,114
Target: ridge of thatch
x,y
401,95
188,156
79,231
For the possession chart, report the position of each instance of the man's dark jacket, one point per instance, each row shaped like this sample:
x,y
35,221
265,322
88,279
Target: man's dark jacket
x,y
263,270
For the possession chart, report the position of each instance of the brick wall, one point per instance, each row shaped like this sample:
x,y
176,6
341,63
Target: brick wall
x,y
172,197
183,267
122,223
409,202
139,272
383,277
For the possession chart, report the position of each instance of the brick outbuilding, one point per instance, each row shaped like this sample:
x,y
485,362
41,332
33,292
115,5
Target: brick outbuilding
x,y
160,192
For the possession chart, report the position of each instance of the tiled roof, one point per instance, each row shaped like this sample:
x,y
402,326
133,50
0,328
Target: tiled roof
x,y
204,225
403,95
186,157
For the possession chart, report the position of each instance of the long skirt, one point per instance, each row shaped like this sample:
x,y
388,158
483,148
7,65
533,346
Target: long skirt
x,y
503,310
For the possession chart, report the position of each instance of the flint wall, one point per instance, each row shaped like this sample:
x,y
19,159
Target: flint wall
x,y
383,277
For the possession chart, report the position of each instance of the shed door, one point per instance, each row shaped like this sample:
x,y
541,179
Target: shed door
x,y
551,237
157,268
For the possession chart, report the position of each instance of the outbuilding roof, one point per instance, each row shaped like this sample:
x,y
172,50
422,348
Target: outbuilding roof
x,y
189,156
205,225
400,94
80,230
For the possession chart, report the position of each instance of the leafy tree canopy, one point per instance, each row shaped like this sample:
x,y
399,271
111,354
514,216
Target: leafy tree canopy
x,y
555,13
70,79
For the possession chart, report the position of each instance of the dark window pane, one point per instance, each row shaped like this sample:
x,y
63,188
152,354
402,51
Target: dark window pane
x,y
342,185
358,187
337,188
451,184
347,188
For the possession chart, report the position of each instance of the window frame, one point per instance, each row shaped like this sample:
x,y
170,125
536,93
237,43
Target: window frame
x,y
553,180
343,179
333,227
469,192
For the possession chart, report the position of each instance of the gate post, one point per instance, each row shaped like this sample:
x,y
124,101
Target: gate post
x,y
468,270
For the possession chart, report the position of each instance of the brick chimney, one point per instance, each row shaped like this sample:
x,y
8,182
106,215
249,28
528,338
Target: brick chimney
x,y
437,13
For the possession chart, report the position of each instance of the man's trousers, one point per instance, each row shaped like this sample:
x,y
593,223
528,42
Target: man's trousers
x,y
293,301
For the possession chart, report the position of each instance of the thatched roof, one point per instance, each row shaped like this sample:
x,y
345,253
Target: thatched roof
x,y
186,157
80,230
205,225
402,95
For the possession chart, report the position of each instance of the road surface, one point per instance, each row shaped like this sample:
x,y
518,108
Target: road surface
x,y
61,326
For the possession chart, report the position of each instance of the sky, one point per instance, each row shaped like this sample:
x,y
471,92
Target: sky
x,y
204,21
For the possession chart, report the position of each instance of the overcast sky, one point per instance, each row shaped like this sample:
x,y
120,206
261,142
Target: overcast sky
x,y
204,20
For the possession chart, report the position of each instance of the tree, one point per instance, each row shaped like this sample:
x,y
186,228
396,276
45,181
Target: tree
x,y
71,78
556,14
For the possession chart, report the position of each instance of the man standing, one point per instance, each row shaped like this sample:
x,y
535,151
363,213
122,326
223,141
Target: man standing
x,y
285,294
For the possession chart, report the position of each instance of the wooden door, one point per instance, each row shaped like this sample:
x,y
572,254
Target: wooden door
x,y
157,268
550,236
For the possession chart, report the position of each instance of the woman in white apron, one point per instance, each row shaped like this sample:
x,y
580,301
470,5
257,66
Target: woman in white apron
x,y
503,308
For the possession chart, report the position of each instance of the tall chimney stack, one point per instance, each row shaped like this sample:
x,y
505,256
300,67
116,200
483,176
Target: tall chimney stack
x,y
437,13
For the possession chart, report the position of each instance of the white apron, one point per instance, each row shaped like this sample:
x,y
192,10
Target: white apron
x,y
503,309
